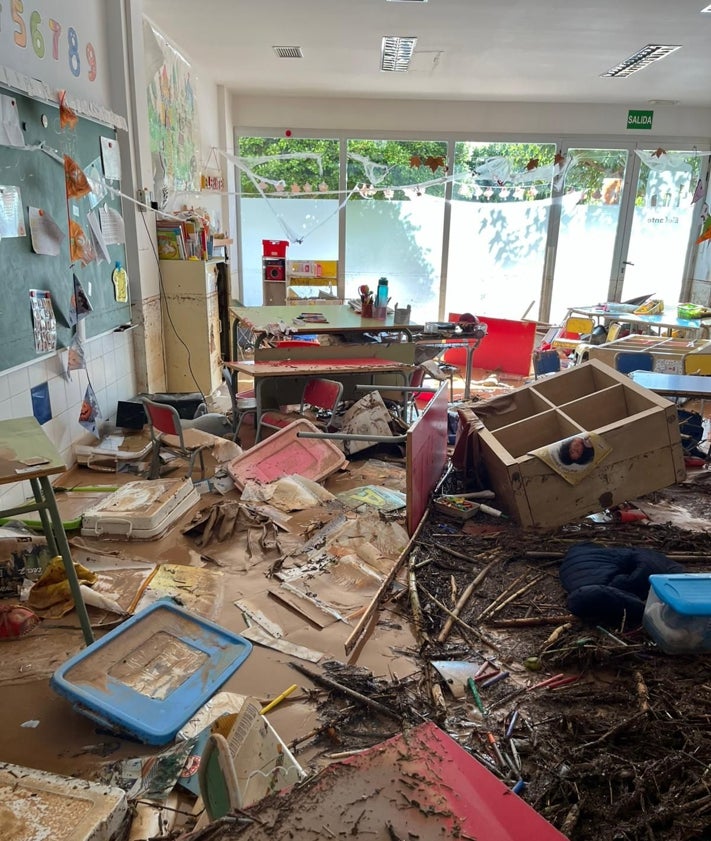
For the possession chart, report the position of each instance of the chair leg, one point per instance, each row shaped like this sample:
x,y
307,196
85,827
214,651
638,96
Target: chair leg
x,y
154,469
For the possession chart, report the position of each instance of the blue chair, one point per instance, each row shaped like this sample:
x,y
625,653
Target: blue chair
x,y
628,361
545,362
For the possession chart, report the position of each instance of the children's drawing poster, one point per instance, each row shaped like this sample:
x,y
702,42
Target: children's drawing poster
x,y
43,321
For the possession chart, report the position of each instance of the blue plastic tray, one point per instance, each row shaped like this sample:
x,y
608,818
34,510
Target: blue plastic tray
x,y
149,676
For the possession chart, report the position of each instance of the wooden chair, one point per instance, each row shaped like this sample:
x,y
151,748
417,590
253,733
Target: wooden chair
x,y
243,402
626,362
167,435
319,400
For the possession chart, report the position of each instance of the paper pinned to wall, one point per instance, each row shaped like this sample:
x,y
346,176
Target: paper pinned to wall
x,y
12,221
10,128
97,237
112,226
46,234
96,181
43,320
111,156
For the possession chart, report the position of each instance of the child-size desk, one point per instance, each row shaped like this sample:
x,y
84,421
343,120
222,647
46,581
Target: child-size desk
x,y
301,369
23,440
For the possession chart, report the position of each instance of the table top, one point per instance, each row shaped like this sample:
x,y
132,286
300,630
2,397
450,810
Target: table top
x,y
26,452
668,318
682,385
339,318
319,367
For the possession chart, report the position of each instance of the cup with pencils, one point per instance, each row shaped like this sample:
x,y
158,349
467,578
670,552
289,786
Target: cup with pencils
x,y
366,301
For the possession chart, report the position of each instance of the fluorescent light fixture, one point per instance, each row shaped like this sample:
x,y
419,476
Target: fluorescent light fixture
x,y
641,59
396,52
417,1
288,52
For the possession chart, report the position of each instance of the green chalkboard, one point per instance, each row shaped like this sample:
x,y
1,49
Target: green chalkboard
x,y
41,181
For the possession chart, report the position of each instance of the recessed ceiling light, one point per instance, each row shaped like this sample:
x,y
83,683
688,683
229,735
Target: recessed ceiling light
x,y
641,59
396,52
663,101
288,52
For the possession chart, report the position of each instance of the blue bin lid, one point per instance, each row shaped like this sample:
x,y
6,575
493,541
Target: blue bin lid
x,y
687,593
150,675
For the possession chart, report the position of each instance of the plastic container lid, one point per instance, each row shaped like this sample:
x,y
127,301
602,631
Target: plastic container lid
x,y
686,593
147,677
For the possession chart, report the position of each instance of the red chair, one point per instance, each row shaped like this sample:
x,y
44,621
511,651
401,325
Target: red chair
x,y
167,436
318,403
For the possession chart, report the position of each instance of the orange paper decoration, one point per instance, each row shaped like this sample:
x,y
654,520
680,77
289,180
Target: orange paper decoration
x,y
415,160
434,163
67,117
76,181
532,164
80,250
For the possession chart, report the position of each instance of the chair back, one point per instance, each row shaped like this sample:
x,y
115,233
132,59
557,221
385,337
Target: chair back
x,y
628,361
163,418
697,363
322,394
545,362
576,326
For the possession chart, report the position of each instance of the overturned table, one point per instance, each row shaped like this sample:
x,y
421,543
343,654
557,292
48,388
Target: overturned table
x,y
27,454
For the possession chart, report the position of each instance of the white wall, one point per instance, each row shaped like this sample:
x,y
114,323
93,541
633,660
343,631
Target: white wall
x,y
110,358
472,119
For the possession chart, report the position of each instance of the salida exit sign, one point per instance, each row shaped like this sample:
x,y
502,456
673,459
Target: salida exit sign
x,y
640,119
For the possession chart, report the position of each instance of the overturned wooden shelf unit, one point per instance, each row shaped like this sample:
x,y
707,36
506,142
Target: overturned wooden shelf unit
x,y
641,428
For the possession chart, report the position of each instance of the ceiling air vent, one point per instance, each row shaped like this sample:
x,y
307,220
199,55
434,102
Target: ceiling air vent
x,y
288,52
396,52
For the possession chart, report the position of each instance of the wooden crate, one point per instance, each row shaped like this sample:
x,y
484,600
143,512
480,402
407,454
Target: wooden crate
x,y
640,427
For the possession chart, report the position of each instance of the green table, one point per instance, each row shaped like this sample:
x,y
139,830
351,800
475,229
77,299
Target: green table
x,y
27,454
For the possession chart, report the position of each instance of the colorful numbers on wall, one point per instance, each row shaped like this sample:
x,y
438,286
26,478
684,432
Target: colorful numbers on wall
x,y
36,32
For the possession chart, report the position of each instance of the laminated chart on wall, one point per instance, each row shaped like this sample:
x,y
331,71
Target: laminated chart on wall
x,y
45,324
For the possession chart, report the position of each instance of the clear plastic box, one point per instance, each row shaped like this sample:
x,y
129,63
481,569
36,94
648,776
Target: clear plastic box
x,y
678,612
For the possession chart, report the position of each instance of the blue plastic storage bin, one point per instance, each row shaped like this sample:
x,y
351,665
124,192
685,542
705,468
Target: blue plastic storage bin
x,y
678,612
148,677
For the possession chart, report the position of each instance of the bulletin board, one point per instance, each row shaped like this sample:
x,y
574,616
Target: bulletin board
x,y
40,178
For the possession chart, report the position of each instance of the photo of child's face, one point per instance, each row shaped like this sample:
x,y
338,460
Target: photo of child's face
x,y
575,448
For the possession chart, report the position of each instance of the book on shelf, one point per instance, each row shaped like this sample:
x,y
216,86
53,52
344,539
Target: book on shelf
x,y
171,244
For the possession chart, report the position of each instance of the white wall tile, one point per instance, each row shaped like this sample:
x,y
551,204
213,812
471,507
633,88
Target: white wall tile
x,y
37,373
57,396
6,409
19,381
4,387
22,405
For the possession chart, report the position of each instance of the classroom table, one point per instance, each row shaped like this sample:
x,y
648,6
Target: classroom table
x,y
302,369
340,318
669,319
27,454
674,385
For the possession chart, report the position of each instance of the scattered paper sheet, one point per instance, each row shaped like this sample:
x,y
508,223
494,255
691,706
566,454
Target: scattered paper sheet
x,y
112,226
10,128
111,156
46,234
12,222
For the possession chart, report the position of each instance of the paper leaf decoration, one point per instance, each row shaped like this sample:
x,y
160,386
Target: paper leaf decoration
x,y
657,153
559,158
67,117
532,164
80,248
415,161
434,162
76,181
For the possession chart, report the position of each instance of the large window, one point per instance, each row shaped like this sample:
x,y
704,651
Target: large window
x,y
394,219
501,202
288,191
504,229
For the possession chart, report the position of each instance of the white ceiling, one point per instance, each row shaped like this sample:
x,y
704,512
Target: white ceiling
x,y
500,50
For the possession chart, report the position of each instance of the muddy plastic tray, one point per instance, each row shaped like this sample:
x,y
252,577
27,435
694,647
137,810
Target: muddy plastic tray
x,y
284,454
142,509
36,805
147,677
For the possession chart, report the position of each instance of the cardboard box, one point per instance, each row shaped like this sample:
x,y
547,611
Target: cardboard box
x,y
639,428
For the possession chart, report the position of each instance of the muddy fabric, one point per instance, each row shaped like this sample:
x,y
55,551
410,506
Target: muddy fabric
x,y
609,586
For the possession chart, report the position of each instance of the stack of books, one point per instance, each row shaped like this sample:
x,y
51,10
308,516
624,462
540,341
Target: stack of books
x,y
180,239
